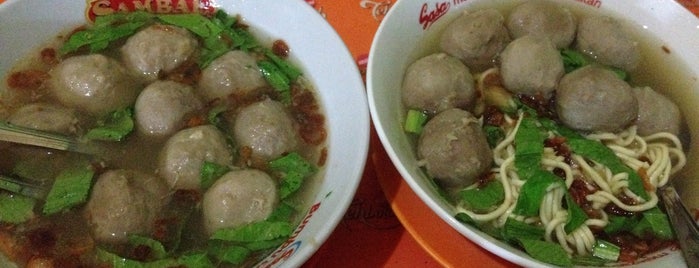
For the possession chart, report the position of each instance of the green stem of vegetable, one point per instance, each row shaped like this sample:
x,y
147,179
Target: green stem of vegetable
x,y
415,121
606,250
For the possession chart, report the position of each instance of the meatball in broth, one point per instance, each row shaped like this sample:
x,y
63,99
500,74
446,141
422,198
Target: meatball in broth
x,y
184,154
609,42
94,83
239,197
161,107
476,38
266,128
46,117
235,72
543,19
454,149
531,66
123,203
593,98
158,49
436,83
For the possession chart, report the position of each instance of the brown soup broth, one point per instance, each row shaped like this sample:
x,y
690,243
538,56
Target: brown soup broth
x,y
64,238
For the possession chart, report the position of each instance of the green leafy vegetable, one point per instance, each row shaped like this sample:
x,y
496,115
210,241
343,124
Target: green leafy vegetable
x,y
654,223
253,232
71,188
606,250
494,135
293,170
289,70
547,252
226,253
195,23
275,77
576,215
533,191
483,199
598,152
157,250
210,172
115,127
529,141
573,60
515,230
189,260
415,121
16,208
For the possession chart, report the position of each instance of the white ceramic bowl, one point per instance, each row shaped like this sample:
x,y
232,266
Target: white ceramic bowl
x,y
26,24
409,31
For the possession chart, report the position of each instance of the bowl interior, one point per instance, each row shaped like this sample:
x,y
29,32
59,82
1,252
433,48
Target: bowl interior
x,y
410,30
314,46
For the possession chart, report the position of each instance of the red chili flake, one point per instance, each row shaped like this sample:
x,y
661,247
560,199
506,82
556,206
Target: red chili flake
x,y
27,79
48,56
323,157
493,116
280,48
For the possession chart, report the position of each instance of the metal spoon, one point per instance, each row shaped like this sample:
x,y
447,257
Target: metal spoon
x,y
682,223
22,135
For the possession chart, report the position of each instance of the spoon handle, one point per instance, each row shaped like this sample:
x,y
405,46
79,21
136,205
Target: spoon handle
x,y
27,136
683,224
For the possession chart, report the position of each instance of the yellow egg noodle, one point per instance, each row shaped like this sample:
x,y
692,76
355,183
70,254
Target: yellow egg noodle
x,y
660,155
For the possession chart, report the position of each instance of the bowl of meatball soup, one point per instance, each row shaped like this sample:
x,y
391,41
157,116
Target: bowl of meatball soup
x,y
197,133
542,130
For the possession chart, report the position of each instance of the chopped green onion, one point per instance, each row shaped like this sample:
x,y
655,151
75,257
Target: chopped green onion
x,y
606,250
415,121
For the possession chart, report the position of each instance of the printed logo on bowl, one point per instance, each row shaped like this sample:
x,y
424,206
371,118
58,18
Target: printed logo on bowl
x,y
95,8
291,245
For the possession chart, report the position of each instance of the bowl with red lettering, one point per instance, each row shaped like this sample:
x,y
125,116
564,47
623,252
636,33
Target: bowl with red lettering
x,y
539,129
189,133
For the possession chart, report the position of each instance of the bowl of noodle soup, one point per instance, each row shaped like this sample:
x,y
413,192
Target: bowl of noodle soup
x,y
475,147
335,98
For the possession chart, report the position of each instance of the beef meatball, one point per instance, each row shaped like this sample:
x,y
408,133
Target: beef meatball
x,y
608,41
233,72
436,83
593,98
46,117
454,149
476,38
543,19
161,107
656,113
237,198
94,83
124,202
531,65
158,49
184,154
266,128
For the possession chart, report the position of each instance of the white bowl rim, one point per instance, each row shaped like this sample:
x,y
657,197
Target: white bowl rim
x,y
668,11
